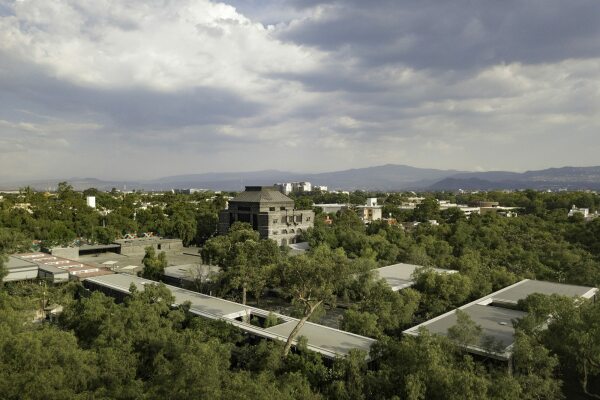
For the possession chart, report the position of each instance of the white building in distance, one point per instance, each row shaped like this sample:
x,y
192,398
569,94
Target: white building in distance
x,y
371,211
294,187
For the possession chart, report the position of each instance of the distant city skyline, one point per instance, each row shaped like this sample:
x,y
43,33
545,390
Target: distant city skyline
x,y
147,89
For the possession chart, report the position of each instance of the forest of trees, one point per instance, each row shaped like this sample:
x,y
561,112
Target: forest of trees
x,y
63,217
143,348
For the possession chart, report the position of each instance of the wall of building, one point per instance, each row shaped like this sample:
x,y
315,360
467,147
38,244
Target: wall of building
x,y
285,226
21,274
54,277
139,247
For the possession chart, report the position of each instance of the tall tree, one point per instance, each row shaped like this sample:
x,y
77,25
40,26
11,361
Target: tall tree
x,y
311,281
154,266
248,266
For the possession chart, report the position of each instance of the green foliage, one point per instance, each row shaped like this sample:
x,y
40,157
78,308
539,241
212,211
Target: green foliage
x,y
572,334
535,368
207,224
248,262
377,310
465,332
3,271
154,266
271,320
441,292
429,209
61,218
311,280
145,349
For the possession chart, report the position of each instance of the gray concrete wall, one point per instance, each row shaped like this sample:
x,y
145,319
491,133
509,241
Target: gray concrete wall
x,y
21,275
158,245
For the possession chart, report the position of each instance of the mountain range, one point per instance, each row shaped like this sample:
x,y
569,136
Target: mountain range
x,y
388,177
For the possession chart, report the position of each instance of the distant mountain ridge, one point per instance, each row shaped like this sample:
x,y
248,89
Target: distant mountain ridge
x,y
571,178
389,177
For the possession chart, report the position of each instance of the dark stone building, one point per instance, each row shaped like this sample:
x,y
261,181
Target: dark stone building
x,y
270,212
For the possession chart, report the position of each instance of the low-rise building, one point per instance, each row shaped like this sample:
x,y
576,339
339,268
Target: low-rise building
x,y
189,191
331,208
91,201
19,269
294,187
49,267
329,342
139,245
269,212
495,314
575,210
371,211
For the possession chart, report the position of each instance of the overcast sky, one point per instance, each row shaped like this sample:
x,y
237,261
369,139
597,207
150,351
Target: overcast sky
x,y
150,88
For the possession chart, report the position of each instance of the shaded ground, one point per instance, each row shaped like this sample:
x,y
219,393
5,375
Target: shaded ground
x,y
272,303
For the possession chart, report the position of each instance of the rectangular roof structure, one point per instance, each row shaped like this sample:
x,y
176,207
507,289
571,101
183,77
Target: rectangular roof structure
x,y
17,263
400,276
496,312
18,269
327,341
261,194
57,265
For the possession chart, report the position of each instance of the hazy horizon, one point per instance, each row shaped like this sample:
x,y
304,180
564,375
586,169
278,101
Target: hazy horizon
x,y
298,174
150,89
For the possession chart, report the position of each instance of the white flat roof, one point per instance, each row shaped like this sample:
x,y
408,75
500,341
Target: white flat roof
x,y
496,320
328,341
400,276
18,263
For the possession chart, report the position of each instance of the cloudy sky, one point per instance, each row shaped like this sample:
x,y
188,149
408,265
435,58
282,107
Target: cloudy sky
x,y
150,88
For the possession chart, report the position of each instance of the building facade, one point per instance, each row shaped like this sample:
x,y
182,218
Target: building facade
x,y
270,212
138,245
371,211
294,187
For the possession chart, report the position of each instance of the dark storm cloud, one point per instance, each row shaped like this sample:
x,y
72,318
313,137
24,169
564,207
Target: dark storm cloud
x,y
295,84
453,34
28,87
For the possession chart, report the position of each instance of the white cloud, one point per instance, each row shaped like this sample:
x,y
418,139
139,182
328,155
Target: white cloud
x,y
163,87
165,45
